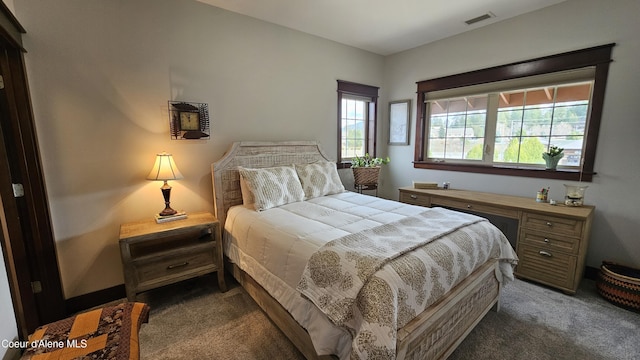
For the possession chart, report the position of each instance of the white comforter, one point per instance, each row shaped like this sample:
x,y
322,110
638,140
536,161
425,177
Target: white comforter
x,y
276,256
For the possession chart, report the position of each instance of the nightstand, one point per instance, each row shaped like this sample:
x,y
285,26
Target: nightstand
x,y
155,255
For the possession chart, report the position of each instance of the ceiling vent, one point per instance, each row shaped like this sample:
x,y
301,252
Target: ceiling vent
x,y
480,18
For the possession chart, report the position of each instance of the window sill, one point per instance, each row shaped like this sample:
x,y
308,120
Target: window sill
x,y
560,174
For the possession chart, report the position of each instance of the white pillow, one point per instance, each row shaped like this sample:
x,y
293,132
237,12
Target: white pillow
x,y
272,187
247,195
319,179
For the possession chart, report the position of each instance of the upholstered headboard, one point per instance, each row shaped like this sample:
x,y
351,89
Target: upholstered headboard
x,y
224,172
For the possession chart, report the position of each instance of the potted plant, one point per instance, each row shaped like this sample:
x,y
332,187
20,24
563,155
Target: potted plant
x,y
366,169
553,156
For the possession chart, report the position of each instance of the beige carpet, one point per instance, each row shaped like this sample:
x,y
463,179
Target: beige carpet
x,y
193,320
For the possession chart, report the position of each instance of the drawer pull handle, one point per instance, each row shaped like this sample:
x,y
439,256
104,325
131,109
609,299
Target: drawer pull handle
x,y
545,253
549,224
170,267
413,197
546,240
469,206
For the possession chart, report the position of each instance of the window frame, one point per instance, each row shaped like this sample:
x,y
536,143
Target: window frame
x,y
346,88
598,57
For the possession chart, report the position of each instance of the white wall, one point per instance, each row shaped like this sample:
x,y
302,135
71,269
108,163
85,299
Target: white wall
x,y
101,73
571,25
9,328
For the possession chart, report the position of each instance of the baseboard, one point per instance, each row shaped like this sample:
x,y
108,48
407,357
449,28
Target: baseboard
x,y
591,273
96,298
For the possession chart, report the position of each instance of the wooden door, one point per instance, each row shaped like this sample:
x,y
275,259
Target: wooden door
x,y
26,237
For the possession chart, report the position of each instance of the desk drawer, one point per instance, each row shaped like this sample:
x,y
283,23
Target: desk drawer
x,y
551,267
476,207
550,241
552,224
415,199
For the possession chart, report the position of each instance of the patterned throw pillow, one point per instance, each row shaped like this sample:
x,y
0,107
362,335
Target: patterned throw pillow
x,y
319,179
273,187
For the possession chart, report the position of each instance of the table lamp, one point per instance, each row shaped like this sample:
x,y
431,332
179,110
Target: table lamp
x,y
165,169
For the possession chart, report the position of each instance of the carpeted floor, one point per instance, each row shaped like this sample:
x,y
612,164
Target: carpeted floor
x,y
193,320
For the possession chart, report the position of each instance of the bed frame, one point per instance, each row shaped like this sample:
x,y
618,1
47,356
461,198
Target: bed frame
x,y
433,334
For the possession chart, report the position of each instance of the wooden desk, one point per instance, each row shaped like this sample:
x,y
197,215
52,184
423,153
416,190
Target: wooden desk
x,y
551,240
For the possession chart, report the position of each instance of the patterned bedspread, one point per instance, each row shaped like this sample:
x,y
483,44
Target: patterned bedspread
x,y
106,333
373,285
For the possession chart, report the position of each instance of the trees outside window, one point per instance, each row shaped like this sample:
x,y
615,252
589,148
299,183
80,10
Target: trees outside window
x,y
500,120
357,110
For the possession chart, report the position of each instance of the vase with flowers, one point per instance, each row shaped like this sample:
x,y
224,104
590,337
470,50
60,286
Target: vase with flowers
x,y
552,157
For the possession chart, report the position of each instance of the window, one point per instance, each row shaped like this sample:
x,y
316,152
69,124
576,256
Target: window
x,y
353,126
532,120
457,128
521,125
500,120
357,109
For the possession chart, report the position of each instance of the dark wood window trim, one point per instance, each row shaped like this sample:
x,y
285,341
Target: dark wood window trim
x,y
599,56
368,91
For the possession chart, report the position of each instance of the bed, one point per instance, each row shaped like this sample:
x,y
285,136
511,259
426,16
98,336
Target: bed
x,y
291,252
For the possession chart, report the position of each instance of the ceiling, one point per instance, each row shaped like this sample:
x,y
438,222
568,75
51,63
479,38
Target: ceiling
x,y
381,26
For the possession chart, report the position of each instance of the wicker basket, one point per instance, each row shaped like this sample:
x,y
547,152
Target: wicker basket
x,y
620,285
366,175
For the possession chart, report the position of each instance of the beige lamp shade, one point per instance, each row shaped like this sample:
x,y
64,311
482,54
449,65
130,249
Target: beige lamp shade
x,y
164,168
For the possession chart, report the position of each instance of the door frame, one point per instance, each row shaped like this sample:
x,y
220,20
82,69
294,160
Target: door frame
x,y
27,237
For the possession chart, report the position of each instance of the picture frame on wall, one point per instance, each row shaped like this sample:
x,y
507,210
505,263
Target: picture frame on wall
x,y
399,122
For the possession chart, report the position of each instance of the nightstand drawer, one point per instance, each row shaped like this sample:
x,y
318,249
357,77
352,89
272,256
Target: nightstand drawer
x,y
552,224
550,241
415,199
172,268
547,266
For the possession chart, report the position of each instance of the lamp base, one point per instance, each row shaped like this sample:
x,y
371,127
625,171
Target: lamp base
x,y
167,212
166,193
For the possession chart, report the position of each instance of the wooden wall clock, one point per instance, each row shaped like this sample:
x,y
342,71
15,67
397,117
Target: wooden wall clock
x,y
188,120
